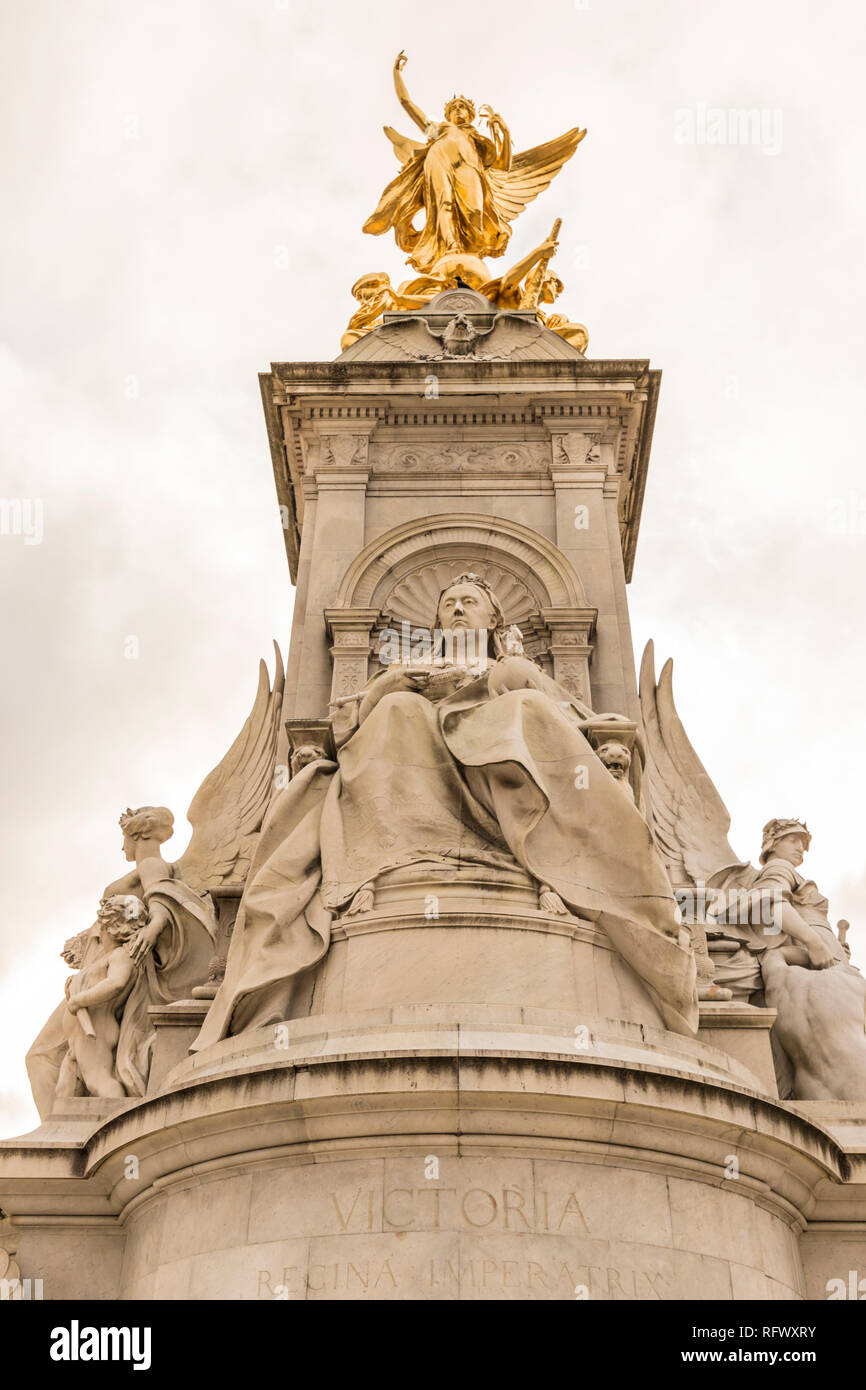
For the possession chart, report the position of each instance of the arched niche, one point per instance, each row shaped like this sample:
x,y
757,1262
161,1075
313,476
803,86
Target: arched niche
x,y
398,577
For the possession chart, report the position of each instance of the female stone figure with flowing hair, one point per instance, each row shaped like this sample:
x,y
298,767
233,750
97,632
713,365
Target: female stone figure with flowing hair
x,y
172,945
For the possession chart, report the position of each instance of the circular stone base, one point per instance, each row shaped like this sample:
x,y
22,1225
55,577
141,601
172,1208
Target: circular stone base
x,y
471,940
456,1110
480,1030
461,1176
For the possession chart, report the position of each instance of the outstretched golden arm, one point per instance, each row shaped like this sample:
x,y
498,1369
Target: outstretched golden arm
x,y
403,96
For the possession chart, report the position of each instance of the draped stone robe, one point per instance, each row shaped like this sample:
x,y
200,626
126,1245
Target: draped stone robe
x,y
491,774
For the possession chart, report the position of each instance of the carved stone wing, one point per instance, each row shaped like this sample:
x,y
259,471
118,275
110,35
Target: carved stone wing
x,y
508,339
690,820
530,173
516,341
409,338
227,810
404,146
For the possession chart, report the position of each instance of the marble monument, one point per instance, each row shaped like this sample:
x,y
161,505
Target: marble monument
x,y
459,991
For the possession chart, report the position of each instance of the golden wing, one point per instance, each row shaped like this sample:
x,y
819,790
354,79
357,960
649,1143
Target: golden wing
x,y
226,812
530,173
404,146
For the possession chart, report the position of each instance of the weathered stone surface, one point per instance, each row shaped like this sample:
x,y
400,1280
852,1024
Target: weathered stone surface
x,y
449,1045
421,1176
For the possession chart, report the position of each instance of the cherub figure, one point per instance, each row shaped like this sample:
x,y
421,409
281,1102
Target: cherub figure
x,y
376,297
95,999
172,942
574,333
523,286
531,283
528,284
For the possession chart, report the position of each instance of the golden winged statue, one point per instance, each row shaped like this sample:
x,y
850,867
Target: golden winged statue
x,y
470,186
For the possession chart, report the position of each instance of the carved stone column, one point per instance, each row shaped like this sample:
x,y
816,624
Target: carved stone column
x,y
571,633
349,630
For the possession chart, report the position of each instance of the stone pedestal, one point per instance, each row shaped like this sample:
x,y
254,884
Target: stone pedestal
x,y
177,1026
476,937
408,1138
471,1097
441,1169
743,1032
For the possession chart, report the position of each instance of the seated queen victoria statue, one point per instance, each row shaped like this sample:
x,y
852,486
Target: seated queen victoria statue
x,y
470,756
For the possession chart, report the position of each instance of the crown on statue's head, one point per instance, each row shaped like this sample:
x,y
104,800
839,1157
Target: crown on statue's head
x,y
466,101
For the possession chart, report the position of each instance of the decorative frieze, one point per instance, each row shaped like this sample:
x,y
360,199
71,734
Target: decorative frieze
x,y
460,457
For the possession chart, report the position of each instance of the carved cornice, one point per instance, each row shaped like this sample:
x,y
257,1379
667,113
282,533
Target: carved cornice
x,y
344,623
507,407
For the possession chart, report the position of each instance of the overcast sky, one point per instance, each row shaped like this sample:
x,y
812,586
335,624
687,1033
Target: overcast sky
x,y
184,186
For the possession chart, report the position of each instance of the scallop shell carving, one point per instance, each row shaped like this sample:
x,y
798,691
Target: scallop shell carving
x,y
414,598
